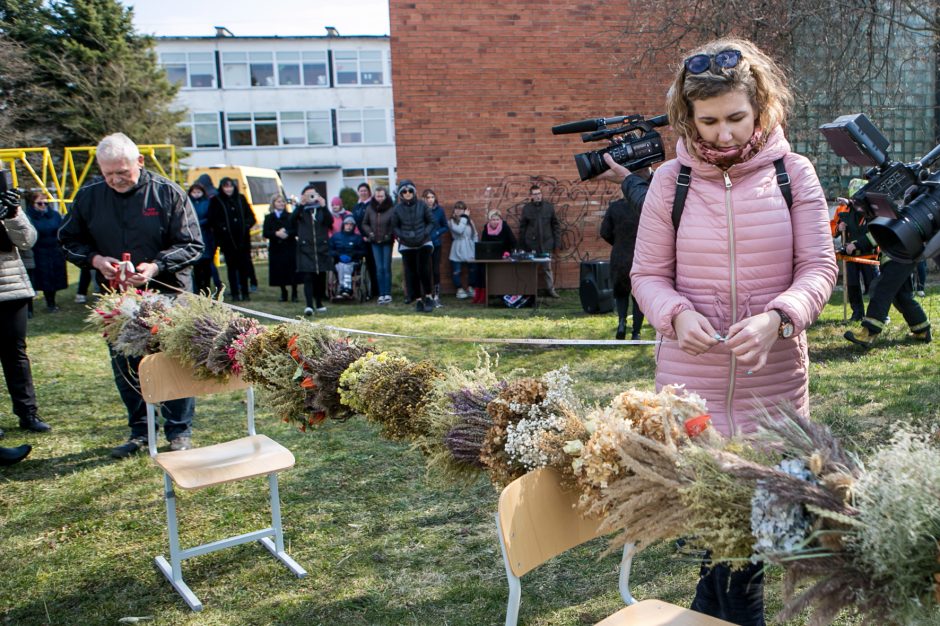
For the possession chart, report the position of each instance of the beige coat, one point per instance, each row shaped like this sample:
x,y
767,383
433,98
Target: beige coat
x,y
14,283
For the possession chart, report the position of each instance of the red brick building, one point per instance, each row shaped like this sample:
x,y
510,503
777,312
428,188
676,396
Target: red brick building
x,y
479,84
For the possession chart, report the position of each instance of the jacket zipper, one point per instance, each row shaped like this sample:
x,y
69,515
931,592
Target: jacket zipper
x,y
734,298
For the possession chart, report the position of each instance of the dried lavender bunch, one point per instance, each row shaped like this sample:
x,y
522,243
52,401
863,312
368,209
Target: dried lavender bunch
x,y
464,441
217,360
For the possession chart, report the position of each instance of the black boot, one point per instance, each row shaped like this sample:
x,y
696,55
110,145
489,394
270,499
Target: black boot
x,y
856,302
9,456
622,316
34,424
637,320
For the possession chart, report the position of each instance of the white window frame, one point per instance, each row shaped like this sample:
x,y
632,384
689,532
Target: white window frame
x,y
254,119
202,119
309,120
312,57
358,61
363,117
375,176
187,62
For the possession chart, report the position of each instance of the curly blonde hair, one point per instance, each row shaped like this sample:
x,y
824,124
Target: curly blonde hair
x,y
756,74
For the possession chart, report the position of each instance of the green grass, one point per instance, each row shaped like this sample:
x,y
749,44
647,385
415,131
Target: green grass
x,y
383,542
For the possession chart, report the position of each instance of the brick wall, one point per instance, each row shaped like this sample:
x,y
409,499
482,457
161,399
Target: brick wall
x,y
479,84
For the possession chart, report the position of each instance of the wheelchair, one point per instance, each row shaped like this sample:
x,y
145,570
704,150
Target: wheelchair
x,y
361,286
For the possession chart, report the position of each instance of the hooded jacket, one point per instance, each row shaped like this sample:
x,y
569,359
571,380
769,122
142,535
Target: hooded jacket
x,y
231,219
412,221
739,251
377,223
14,282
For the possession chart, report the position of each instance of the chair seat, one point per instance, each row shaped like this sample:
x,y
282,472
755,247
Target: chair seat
x,y
659,613
256,455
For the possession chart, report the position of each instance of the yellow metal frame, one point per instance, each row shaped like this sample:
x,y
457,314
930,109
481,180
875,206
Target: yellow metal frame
x,y
65,186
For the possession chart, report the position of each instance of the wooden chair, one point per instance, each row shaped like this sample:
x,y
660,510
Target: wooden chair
x,y
163,378
536,520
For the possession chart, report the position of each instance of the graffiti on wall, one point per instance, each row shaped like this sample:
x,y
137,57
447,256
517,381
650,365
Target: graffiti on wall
x,y
574,202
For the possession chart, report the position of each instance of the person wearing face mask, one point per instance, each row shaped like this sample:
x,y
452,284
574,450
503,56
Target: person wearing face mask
x,y
282,247
231,219
412,224
733,261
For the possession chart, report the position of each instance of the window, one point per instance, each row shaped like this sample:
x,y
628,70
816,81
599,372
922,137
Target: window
x,y
314,68
362,126
355,67
288,69
192,69
262,188
235,69
203,130
252,129
375,176
239,129
306,128
261,66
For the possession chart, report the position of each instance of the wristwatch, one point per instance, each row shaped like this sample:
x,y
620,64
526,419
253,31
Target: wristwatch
x,y
786,325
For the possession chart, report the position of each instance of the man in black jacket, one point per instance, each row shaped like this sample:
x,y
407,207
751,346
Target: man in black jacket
x,y
540,232
135,211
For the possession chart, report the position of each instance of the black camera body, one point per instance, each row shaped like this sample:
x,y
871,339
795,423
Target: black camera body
x,y
634,144
901,200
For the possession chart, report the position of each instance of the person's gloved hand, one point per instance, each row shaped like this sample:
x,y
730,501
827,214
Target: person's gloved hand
x,y
345,258
9,203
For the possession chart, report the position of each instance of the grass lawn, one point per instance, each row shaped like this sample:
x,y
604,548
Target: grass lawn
x,y
382,541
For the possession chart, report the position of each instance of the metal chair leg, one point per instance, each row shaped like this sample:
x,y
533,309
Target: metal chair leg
x,y
172,571
276,547
515,585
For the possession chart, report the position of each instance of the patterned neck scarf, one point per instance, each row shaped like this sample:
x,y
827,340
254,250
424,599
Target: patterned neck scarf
x,y
726,157
494,231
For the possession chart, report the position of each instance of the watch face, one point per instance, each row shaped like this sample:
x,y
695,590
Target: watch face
x,y
787,331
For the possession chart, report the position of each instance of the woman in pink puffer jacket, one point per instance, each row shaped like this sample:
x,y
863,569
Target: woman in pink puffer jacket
x,y
742,264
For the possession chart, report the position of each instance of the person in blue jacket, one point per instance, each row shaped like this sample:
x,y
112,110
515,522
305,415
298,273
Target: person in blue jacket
x,y
440,227
49,275
202,270
347,249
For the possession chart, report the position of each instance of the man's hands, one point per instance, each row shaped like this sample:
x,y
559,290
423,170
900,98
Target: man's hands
x,y
109,268
751,339
281,233
617,173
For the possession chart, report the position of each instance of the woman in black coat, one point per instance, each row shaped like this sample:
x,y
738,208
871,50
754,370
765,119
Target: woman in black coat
x,y
311,223
231,219
282,248
619,230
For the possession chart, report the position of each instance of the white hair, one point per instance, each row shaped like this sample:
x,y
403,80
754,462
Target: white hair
x,y
117,147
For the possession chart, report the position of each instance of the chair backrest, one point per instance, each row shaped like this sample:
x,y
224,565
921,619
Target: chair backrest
x,y
165,378
539,520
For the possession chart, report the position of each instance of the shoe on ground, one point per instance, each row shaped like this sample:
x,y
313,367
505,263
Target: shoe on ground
x,y
308,311
921,294
80,299
923,335
436,301
553,294
462,294
9,456
52,309
429,304
253,288
419,306
471,292
857,317
862,337
635,337
183,442
34,424
129,448
321,309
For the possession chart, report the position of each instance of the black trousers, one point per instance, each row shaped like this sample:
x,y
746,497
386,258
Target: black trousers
x,y
84,281
734,596
202,275
16,368
371,268
177,414
238,265
894,286
314,287
436,268
417,262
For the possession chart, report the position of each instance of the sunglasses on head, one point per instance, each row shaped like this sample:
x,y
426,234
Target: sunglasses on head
x,y
699,63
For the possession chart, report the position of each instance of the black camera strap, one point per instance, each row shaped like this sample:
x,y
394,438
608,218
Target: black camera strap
x,y
684,179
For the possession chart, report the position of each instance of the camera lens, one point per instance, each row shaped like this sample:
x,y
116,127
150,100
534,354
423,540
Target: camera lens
x,y
903,239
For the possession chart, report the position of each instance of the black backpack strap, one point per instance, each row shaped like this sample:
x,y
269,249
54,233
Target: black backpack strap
x,y
783,181
683,179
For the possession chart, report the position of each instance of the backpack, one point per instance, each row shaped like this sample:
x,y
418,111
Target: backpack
x,y
684,179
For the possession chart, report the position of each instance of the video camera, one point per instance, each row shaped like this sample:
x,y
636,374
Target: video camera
x,y
634,144
900,200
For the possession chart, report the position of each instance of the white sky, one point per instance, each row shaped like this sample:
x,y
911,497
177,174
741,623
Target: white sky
x,y
270,17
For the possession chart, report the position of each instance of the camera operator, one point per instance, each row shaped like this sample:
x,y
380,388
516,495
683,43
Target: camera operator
x,y
618,228
894,285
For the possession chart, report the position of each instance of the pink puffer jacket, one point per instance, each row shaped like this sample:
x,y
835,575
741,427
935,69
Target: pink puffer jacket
x,y
739,252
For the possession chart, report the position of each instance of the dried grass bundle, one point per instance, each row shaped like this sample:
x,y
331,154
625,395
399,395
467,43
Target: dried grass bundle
x,y
190,329
136,337
395,397
219,360
266,363
333,357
